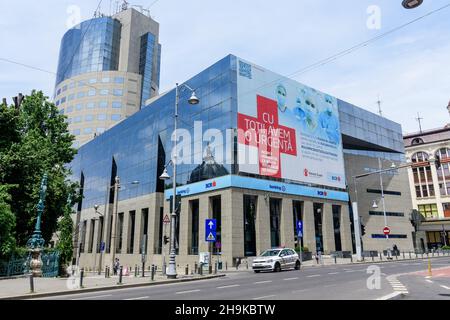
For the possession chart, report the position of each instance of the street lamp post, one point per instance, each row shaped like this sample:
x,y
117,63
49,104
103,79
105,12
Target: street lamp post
x,y
115,218
193,100
36,242
356,222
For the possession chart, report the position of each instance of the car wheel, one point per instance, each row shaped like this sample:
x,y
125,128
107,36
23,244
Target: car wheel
x,y
297,265
256,271
277,267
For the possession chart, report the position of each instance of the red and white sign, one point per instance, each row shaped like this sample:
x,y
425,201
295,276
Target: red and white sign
x,y
287,130
266,134
166,219
386,231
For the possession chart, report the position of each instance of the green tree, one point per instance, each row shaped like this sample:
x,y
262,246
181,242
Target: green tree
x,y
37,141
7,224
65,242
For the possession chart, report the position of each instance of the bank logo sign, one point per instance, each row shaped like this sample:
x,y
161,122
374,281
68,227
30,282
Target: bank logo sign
x,y
287,130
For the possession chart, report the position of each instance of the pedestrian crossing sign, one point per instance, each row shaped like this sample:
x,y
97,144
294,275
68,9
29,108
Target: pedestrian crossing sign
x,y
211,237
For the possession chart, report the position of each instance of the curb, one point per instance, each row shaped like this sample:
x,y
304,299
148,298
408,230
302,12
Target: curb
x,y
106,288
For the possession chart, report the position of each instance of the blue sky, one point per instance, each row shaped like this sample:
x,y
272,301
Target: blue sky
x,y
409,69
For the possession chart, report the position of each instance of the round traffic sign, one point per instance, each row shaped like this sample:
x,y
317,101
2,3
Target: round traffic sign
x,y
386,230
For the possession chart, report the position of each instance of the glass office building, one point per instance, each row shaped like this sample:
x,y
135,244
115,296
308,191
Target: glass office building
x,y
92,46
108,67
254,209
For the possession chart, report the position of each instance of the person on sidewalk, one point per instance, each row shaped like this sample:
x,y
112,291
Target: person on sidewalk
x,y
116,266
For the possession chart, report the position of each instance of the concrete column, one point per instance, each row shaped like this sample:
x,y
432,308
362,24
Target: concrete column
x,y
287,223
125,232
328,229
204,213
309,232
138,229
185,226
262,225
346,231
154,214
232,226
96,237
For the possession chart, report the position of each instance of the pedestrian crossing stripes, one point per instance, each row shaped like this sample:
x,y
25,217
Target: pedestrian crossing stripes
x,y
397,285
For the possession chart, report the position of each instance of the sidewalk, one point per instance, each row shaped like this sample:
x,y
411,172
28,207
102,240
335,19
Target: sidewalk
x,y
328,260
19,288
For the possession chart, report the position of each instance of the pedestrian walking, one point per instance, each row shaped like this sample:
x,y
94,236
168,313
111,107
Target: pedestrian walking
x,y
116,266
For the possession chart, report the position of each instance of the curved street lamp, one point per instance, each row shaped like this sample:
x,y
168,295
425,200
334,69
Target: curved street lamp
x,y
193,100
411,4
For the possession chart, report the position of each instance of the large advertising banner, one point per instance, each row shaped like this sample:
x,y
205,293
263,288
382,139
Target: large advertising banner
x,y
287,130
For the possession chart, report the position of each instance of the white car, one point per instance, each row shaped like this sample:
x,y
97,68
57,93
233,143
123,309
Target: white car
x,y
277,260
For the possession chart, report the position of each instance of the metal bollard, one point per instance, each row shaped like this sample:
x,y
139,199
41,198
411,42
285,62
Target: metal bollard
x,y
187,270
135,271
247,265
351,258
335,259
120,275
195,268
381,256
143,269
31,283
106,272
210,269
215,267
403,255
200,269
81,277
153,270
373,258
226,265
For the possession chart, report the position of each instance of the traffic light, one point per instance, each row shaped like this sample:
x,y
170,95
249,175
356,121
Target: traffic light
x,y
438,162
363,229
166,239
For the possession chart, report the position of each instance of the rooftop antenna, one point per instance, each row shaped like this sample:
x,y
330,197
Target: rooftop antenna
x,y
419,119
379,106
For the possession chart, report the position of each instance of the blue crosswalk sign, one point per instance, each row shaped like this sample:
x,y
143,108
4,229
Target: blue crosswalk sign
x,y
210,230
299,229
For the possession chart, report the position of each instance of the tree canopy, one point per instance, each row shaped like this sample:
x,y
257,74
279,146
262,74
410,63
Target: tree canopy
x,y
35,140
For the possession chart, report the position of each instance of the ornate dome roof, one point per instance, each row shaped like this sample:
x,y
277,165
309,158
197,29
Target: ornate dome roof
x,y
209,169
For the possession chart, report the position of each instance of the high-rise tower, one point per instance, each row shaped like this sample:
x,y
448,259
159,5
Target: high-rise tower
x,y
108,67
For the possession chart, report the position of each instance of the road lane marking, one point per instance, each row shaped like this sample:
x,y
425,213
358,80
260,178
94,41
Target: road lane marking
x,y
93,297
189,291
333,273
230,286
313,276
288,279
139,298
429,281
350,271
390,296
261,282
265,297
297,291
445,287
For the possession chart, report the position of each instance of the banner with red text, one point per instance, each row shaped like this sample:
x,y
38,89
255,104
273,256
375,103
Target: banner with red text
x,y
287,130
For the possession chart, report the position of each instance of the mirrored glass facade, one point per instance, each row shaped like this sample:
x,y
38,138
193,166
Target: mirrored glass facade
x,y
141,145
91,46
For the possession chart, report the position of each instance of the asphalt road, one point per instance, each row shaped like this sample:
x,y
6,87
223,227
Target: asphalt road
x,y
340,282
